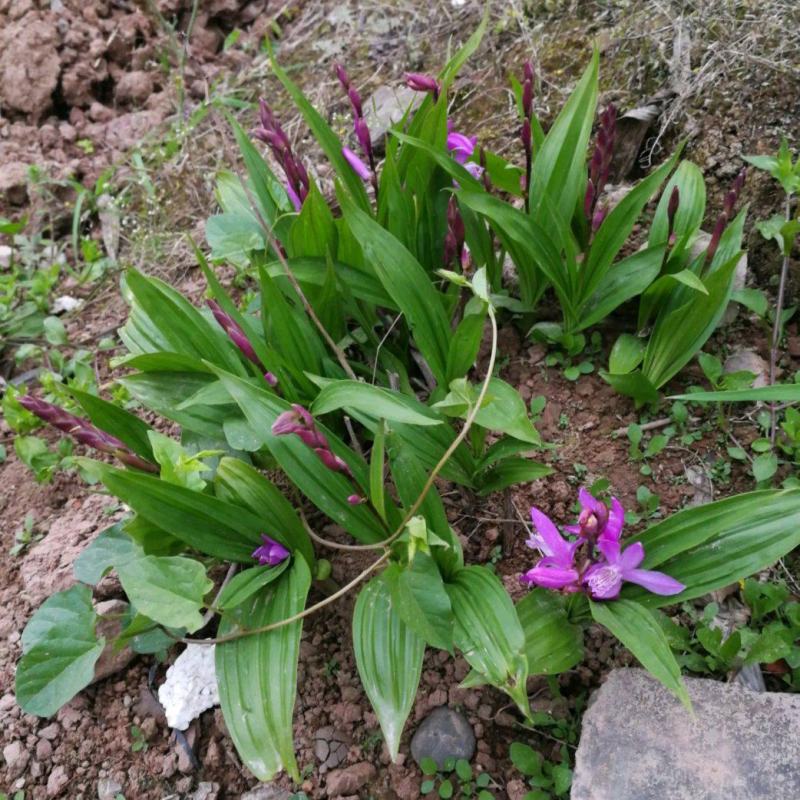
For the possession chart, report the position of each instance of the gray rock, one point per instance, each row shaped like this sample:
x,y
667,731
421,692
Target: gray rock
x,y
640,743
748,361
343,782
16,757
330,747
385,107
266,791
111,661
108,789
205,791
443,734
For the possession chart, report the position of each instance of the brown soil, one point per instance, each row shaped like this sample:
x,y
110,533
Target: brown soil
x,y
80,84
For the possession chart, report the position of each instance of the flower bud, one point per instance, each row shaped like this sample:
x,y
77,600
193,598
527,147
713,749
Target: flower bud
x,y
420,82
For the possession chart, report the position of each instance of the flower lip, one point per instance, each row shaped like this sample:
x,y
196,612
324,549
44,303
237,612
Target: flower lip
x,y
270,553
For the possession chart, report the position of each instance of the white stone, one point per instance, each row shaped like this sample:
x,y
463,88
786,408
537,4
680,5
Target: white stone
x,y
190,687
65,303
6,253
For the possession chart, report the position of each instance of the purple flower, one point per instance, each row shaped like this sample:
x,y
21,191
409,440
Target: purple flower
x,y
299,421
356,500
556,569
357,165
293,196
604,579
84,432
461,146
270,553
595,562
420,82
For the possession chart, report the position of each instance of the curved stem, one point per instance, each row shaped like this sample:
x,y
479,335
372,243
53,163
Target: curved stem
x,y
409,514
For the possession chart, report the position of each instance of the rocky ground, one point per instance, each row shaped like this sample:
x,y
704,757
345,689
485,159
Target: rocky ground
x,y
83,85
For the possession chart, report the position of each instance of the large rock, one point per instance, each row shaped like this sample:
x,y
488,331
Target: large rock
x,y
385,107
443,734
29,66
640,743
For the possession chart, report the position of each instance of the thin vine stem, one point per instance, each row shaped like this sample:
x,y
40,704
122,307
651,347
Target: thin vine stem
x,y
409,514
337,351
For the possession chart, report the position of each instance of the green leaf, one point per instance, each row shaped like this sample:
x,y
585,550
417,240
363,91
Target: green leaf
x,y
419,596
372,400
60,649
111,547
377,483
525,759
257,674
115,420
168,589
557,172
765,466
407,282
488,632
326,489
691,205
504,410
464,346
54,330
242,485
552,643
717,544
632,384
428,766
626,354
636,627
509,472
388,655
204,522
247,583
780,393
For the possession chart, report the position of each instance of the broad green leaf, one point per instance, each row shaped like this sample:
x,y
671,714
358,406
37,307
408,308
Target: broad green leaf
x,y
109,549
509,472
257,674
200,520
504,410
242,485
632,384
488,632
389,659
407,282
168,589
779,393
552,643
559,169
116,421
372,400
326,489
377,481
626,279
636,627
691,204
247,583
626,354
60,650
719,543
419,596
464,346
616,227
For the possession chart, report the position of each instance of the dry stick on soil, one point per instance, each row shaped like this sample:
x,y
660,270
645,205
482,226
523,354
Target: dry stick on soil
x,y
776,328
400,528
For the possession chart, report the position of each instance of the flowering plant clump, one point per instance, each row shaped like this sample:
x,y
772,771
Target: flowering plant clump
x,y
594,562
350,384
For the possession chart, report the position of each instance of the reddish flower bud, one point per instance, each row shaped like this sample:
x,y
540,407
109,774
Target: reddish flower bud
x,y
355,101
598,217
420,82
341,74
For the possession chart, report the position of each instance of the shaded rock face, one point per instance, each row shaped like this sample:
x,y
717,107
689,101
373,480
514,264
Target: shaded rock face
x,y
639,743
29,66
443,734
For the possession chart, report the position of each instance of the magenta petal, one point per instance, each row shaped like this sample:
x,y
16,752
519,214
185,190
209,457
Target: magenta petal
x,y
610,549
576,529
550,577
551,538
604,581
655,582
631,557
616,519
589,501
476,170
293,196
357,165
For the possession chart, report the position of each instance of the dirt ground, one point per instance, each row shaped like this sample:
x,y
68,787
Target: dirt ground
x,y
84,84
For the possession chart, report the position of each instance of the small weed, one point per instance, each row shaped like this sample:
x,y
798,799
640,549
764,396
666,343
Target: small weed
x,y
455,779
546,779
25,535
138,740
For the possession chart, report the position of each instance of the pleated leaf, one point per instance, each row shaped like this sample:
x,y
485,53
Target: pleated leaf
x,y
257,675
389,659
552,643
